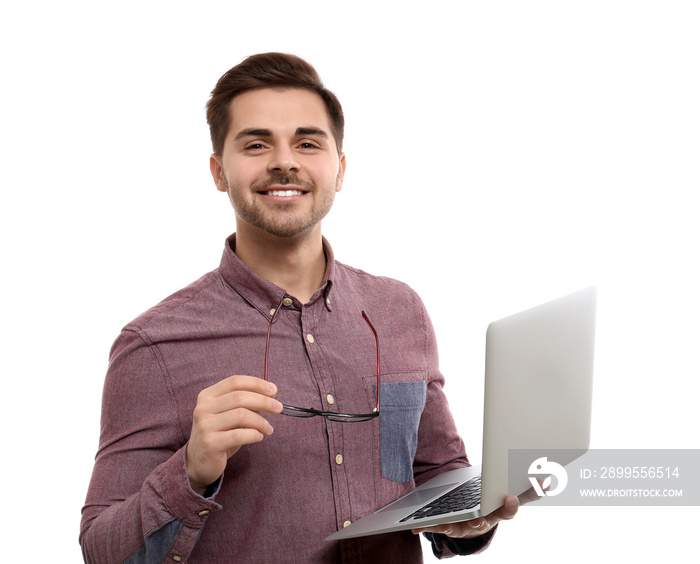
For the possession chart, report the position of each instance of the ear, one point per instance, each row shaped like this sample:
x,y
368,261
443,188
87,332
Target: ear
x,y
341,173
217,172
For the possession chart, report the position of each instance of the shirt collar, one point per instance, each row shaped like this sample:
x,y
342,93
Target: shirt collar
x,y
263,294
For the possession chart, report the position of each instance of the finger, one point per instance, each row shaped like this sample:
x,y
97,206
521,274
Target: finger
x,y
238,399
215,444
477,524
239,391
208,420
461,529
507,511
530,495
243,383
443,529
242,419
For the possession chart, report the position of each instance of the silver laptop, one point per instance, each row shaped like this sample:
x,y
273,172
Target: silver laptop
x,y
537,396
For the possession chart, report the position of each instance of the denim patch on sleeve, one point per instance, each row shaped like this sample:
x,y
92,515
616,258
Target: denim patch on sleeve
x,y
401,406
158,544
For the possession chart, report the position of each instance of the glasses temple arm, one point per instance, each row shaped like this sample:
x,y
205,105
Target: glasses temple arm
x,y
376,339
267,341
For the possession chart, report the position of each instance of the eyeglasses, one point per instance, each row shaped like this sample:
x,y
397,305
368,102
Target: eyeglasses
x,y
305,412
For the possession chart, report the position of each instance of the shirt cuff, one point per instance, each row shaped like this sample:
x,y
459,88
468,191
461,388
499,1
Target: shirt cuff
x,y
179,497
446,547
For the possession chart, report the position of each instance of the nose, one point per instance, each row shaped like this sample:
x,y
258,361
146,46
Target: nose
x,y
283,160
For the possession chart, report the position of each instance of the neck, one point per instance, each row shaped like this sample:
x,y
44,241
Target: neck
x,y
297,264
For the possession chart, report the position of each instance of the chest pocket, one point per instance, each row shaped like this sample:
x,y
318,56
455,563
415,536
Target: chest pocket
x,y
401,406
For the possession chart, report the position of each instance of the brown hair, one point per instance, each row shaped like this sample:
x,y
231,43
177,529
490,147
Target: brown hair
x,y
268,70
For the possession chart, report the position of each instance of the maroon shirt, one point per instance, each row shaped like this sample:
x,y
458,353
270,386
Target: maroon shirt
x,y
277,500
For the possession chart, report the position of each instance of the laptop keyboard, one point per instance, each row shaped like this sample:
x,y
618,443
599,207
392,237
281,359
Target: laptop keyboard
x,y
465,496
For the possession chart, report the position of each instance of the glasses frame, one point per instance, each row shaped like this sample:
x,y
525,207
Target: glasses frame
x,y
307,412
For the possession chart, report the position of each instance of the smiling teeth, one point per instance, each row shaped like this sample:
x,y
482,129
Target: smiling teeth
x,y
284,193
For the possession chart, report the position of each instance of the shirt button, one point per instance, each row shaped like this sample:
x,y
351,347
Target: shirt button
x,y
338,459
310,338
204,512
328,302
330,399
177,558
272,312
287,302
347,524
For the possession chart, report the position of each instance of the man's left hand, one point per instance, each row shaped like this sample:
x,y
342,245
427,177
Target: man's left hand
x,y
478,526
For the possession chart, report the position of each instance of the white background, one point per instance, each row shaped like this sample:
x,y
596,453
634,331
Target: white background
x,y
499,154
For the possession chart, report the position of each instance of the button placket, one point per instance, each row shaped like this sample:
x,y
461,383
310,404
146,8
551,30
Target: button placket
x,y
314,344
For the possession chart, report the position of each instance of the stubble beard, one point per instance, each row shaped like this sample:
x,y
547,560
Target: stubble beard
x,y
282,221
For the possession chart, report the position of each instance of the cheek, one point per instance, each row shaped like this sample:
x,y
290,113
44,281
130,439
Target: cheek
x,y
326,175
241,173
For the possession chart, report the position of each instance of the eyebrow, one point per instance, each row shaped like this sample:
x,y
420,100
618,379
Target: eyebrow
x,y
253,132
311,131
261,132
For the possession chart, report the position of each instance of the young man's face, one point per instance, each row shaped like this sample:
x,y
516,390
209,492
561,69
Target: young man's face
x,y
280,164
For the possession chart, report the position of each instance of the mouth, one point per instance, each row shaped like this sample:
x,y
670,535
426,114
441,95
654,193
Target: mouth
x,y
283,193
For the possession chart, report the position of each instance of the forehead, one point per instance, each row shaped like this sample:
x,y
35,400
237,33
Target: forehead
x,y
280,111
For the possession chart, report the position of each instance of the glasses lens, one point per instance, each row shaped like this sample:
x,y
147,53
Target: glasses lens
x,y
347,418
305,413
292,411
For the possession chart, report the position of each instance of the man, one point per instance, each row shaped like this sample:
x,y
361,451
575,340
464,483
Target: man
x,y
203,456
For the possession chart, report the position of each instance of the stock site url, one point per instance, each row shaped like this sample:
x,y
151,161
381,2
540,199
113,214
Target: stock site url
x,y
630,492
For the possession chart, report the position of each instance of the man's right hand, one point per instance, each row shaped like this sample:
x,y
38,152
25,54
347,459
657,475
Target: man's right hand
x,y
227,416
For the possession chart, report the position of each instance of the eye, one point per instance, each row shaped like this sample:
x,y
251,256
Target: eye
x,y
308,146
255,147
